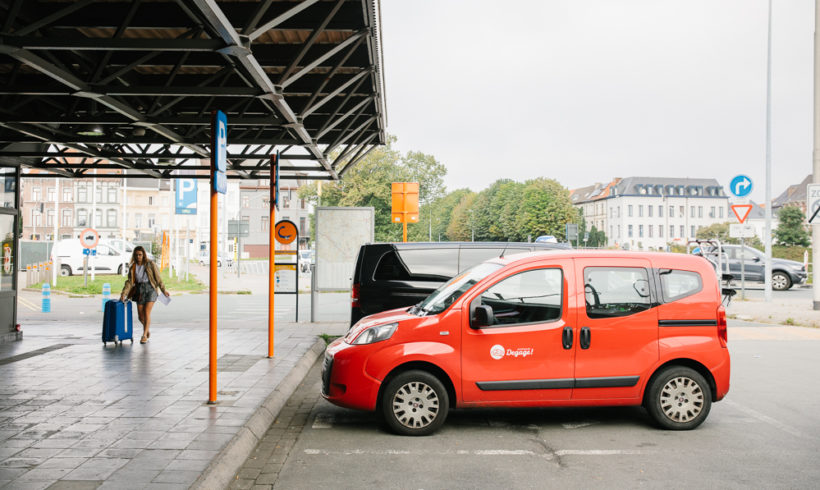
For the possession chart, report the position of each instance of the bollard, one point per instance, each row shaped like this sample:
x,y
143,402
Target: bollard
x,y
28,276
46,308
106,294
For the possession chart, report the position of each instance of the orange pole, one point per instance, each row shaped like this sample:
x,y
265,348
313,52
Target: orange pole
x,y
271,272
212,295
404,228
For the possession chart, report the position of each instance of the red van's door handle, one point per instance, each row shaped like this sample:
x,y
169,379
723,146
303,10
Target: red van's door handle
x,y
566,337
586,337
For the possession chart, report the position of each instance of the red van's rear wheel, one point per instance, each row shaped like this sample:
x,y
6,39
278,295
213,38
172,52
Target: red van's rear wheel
x,y
415,403
679,398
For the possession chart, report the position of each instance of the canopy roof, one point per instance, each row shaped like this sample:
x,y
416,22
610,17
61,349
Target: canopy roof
x,y
132,83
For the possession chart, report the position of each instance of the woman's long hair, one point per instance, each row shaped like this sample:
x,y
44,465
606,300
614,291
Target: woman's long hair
x,y
145,259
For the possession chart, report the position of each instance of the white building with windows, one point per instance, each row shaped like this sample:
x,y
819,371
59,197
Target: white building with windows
x,y
648,213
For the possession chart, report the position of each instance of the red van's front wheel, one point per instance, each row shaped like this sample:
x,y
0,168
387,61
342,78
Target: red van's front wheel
x,y
414,403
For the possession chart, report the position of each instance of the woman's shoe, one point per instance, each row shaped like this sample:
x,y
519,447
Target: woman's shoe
x,y
143,340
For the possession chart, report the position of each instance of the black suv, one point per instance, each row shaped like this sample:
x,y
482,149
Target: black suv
x,y
394,275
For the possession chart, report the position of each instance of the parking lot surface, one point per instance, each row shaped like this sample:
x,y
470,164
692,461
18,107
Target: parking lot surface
x,y
764,434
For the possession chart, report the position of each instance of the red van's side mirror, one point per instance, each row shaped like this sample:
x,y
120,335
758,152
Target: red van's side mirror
x,y
482,317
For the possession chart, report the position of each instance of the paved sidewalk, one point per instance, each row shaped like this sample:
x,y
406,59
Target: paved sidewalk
x,y
782,310
75,414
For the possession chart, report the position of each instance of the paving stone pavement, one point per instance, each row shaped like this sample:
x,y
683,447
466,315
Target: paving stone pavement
x,y
75,414
261,469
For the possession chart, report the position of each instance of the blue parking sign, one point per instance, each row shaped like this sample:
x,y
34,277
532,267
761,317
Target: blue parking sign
x,y
186,196
219,151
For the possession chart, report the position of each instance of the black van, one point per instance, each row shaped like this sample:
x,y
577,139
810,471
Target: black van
x,y
394,275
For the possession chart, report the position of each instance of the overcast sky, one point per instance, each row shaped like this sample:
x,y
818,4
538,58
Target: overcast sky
x,y
586,90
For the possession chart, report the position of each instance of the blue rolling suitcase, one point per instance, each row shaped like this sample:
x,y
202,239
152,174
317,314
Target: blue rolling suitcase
x,y
117,322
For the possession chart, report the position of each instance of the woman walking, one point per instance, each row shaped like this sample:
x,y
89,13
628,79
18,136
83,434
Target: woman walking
x,y
141,286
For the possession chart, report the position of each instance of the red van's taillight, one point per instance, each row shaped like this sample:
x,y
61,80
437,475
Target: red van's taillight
x,y
354,295
721,326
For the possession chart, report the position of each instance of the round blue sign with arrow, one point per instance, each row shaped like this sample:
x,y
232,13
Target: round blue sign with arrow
x,y
741,186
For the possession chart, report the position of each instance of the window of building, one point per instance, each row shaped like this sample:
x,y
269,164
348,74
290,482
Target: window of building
x,y
682,211
649,231
265,221
98,218
111,218
50,217
629,230
112,193
700,211
720,211
618,211
671,211
660,211
640,210
138,220
51,193
535,296
616,291
660,231
692,230
286,199
619,231
677,284
66,221
67,194
82,217
36,194
246,202
98,192
640,231
152,220
82,192
303,226
650,210
150,200
302,203
681,232
629,210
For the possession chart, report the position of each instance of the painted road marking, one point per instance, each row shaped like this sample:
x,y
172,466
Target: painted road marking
x,y
765,418
474,452
596,452
27,304
580,425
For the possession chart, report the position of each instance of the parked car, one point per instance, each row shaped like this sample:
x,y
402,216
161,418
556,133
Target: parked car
x,y
546,239
566,328
785,273
392,275
205,259
108,259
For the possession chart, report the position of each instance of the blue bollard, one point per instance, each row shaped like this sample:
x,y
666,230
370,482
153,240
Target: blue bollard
x,y
106,293
46,307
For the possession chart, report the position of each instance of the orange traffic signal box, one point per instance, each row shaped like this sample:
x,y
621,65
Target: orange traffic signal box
x,y
405,202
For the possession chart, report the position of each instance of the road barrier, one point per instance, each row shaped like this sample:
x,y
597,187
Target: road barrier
x,y
46,306
106,294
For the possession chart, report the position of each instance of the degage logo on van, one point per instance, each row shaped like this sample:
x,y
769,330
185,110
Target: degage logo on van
x,y
498,351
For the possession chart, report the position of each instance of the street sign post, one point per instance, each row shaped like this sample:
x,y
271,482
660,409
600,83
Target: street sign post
x,y
739,230
219,185
572,233
89,238
741,211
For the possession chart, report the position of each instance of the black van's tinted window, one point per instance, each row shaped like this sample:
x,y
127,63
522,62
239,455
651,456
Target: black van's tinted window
x,y
471,256
435,264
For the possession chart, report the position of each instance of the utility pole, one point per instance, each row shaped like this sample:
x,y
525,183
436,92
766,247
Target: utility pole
x,y
93,216
767,234
124,219
56,231
815,229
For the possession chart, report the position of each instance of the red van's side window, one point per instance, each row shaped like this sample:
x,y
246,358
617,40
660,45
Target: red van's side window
x,y
677,284
529,297
616,291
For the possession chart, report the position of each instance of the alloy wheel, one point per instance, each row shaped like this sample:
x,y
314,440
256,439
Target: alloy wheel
x,y
681,399
415,405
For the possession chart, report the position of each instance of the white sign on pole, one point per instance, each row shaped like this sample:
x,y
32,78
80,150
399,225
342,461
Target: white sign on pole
x,y
813,204
737,230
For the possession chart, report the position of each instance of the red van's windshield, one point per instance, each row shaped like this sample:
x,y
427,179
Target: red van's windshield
x,y
444,296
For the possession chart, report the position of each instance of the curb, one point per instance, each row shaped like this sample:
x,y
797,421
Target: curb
x,y
223,468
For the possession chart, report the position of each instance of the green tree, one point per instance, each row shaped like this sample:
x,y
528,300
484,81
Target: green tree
x,y
790,231
461,221
367,184
545,209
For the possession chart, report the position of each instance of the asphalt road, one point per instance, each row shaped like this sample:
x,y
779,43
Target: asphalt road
x,y
765,434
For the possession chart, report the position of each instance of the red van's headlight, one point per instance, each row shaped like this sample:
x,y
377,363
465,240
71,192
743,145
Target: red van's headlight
x,y
375,334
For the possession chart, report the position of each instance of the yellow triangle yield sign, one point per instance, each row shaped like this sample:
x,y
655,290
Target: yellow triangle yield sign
x,y
741,211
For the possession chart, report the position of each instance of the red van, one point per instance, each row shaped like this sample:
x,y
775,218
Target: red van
x,y
564,328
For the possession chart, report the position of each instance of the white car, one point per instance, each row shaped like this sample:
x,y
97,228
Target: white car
x,y
108,259
205,259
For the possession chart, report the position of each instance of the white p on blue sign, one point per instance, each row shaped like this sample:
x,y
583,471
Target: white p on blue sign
x,y
186,196
741,186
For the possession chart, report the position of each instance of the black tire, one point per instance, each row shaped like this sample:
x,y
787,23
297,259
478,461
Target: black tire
x,y
414,403
781,281
65,270
119,270
678,398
